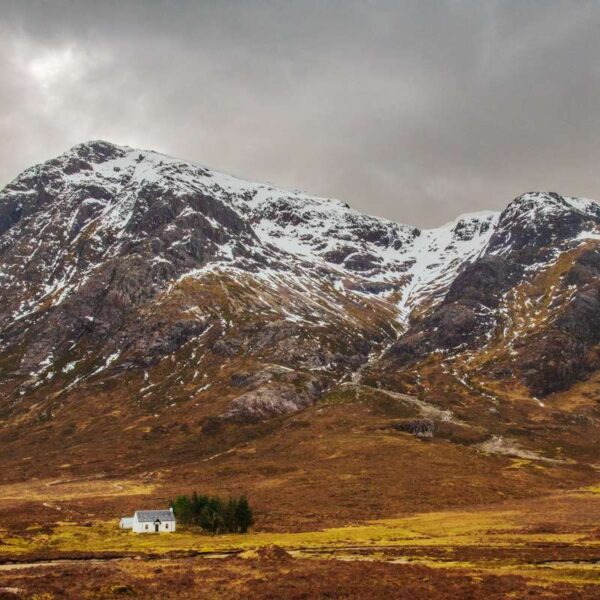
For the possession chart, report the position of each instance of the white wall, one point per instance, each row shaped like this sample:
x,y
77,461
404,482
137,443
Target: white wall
x,y
164,527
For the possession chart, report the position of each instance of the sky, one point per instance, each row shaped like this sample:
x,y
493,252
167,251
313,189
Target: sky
x,y
414,110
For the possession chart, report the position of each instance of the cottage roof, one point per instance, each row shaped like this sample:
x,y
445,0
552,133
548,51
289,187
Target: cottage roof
x,y
149,516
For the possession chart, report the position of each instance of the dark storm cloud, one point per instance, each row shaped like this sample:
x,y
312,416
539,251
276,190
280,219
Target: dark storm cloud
x,y
414,110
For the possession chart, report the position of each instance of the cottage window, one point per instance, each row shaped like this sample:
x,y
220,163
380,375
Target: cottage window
x,y
146,527
166,526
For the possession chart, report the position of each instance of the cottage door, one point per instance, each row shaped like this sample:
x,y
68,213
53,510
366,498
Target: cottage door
x,y
156,526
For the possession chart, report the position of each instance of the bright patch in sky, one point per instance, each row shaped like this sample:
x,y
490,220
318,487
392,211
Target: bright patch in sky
x,y
51,66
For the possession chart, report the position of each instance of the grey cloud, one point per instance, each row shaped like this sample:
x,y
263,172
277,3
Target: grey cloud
x,y
414,110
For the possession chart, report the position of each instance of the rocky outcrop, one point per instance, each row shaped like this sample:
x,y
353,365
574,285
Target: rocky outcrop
x,y
275,399
420,427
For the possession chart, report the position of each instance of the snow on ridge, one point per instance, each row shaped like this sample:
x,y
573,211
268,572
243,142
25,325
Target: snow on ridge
x,y
536,204
440,252
306,230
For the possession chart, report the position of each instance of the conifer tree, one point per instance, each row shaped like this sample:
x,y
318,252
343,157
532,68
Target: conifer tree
x,y
245,518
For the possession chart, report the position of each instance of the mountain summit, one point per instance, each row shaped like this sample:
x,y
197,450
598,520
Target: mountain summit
x,y
147,294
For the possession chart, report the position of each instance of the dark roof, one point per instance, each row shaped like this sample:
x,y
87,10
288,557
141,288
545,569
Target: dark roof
x,y
149,516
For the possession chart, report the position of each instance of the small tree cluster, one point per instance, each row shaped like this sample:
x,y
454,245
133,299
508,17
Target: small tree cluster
x,y
214,514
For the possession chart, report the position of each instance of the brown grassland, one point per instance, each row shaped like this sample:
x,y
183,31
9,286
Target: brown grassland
x,y
545,548
360,509
360,512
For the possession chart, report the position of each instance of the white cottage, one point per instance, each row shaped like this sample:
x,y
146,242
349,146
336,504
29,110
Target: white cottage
x,y
150,521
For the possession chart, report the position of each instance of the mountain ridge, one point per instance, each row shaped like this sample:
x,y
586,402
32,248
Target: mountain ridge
x,y
151,287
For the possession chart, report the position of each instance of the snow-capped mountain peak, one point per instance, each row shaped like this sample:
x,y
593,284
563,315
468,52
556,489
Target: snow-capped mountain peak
x,y
98,243
114,199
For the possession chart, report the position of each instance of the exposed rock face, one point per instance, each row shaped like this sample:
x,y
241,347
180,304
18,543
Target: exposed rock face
x,y
273,392
565,352
483,282
464,316
419,427
269,401
534,223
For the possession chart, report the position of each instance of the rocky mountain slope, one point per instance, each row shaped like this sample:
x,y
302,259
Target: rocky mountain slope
x,y
152,300
546,332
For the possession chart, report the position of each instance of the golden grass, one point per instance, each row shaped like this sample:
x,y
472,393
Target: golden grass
x,y
449,528
49,490
499,541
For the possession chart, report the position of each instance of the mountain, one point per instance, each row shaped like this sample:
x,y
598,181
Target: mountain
x,y
531,295
101,243
155,312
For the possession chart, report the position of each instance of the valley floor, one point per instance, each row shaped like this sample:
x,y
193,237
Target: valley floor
x,y
286,578
544,547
